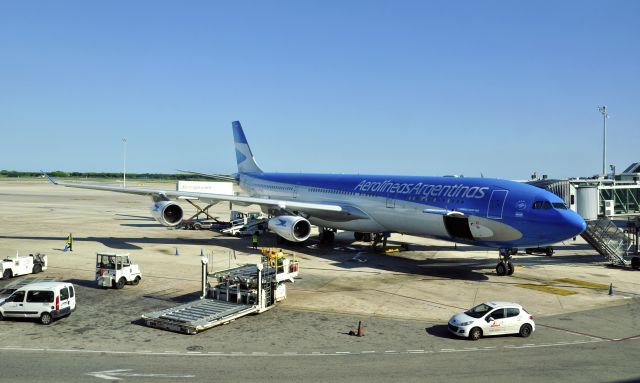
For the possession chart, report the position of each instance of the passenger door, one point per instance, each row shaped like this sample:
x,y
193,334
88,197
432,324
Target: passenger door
x,y
496,204
13,307
496,322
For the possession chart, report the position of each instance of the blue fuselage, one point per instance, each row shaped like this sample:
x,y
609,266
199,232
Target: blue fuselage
x,y
483,211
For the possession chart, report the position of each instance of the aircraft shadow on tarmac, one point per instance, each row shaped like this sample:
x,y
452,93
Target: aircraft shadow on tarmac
x,y
345,254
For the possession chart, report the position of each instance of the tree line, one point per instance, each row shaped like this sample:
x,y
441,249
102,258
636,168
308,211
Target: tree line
x,y
61,174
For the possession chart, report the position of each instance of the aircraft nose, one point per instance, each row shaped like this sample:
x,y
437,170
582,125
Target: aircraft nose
x,y
576,222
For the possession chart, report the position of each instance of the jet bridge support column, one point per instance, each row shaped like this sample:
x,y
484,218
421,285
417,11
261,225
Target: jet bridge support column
x,y
204,289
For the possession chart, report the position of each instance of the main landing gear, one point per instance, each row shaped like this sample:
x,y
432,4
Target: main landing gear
x,y
327,235
505,266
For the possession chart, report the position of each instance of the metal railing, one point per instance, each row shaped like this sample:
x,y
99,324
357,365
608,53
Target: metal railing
x,y
609,240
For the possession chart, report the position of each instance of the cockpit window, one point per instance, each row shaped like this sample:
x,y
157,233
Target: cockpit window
x,y
546,205
537,205
559,205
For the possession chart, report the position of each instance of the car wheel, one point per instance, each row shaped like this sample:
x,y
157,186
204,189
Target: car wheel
x,y
1,317
475,333
501,269
525,330
37,269
510,268
7,274
121,282
46,318
136,281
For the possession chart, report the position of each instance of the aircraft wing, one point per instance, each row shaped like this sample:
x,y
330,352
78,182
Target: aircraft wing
x,y
321,210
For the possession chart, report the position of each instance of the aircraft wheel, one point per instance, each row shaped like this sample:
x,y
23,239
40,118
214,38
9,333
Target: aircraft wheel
x,y
549,251
358,236
329,236
510,268
501,269
635,263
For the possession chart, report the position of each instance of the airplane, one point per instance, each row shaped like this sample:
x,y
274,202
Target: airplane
x,y
495,213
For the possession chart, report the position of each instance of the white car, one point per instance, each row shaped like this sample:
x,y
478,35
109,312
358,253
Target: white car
x,y
492,318
45,301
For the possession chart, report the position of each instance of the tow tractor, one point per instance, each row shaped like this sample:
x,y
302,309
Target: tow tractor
x,y
116,270
230,294
21,265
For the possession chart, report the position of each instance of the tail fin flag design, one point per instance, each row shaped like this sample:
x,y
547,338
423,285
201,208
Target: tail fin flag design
x,y
244,157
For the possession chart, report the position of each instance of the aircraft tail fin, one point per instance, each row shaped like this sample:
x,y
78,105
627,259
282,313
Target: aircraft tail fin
x,y
244,157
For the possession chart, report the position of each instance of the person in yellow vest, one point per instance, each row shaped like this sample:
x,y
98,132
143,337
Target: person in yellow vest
x,y
254,239
279,259
70,242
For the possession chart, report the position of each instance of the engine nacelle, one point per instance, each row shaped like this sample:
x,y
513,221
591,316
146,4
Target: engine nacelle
x,y
291,228
167,213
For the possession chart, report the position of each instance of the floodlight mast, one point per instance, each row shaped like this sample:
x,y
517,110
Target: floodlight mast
x,y
605,115
124,166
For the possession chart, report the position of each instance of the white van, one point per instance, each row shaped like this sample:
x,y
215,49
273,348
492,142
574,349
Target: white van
x,y
43,300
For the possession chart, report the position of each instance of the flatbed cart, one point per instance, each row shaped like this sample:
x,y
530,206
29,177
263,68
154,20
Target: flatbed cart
x,y
228,295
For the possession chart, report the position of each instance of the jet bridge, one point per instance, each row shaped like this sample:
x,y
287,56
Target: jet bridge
x,y
604,202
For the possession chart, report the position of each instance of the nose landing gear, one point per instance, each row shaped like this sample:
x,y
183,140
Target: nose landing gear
x,y
505,266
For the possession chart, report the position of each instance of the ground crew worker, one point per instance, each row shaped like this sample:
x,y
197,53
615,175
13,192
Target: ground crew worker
x,y
279,258
254,239
70,242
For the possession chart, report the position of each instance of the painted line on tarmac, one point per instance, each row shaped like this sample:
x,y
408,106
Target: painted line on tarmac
x,y
315,353
574,332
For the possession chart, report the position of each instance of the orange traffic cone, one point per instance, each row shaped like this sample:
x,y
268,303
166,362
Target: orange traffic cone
x,y
360,333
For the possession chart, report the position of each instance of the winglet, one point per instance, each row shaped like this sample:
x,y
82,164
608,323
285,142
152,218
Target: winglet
x,y
53,181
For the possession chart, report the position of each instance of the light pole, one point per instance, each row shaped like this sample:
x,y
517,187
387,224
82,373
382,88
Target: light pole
x,y
605,115
124,173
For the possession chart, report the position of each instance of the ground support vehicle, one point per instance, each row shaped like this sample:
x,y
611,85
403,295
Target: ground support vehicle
x,y
116,270
228,295
492,318
548,250
21,265
204,224
45,301
243,224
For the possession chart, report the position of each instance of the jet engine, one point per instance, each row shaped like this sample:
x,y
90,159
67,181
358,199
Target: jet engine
x,y
167,213
291,227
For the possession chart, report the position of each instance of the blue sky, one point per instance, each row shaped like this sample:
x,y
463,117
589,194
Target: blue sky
x,y
502,88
